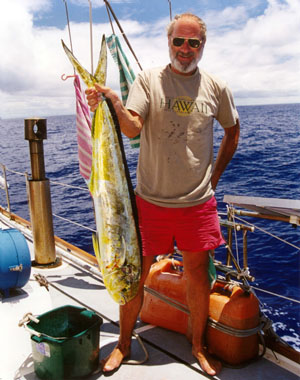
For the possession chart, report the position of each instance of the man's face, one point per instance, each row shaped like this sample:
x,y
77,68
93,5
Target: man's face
x,y
185,58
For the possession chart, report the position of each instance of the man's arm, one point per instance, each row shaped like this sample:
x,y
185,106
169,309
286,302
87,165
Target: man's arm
x,y
130,122
226,151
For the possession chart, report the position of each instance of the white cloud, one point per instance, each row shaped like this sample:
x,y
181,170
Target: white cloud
x,y
259,57
228,17
99,3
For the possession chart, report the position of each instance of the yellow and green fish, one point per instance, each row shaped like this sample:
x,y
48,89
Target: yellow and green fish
x,y
116,242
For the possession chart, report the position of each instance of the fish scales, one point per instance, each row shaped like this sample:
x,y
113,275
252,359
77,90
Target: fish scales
x,y
116,242
117,247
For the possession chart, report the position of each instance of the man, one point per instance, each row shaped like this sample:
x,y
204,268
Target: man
x,y
173,109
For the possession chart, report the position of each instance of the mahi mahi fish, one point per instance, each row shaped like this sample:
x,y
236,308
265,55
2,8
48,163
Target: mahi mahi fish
x,y
116,243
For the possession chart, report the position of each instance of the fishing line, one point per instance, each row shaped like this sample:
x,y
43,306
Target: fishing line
x,y
68,22
170,9
110,20
91,37
69,29
122,32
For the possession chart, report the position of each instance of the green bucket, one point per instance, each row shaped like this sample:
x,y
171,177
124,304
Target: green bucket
x,y
65,343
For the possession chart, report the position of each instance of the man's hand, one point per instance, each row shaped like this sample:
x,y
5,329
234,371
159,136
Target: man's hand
x,y
130,122
94,96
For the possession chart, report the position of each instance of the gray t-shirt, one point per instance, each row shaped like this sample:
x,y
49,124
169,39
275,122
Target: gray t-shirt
x,y
176,147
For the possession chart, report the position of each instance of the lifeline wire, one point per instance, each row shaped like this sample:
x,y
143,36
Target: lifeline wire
x,y
276,294
269,233
235,235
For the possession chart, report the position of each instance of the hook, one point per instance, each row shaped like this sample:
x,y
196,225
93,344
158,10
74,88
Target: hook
x,y
65,77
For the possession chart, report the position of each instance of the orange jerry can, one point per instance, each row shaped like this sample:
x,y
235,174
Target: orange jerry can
x,y
236,310
169,282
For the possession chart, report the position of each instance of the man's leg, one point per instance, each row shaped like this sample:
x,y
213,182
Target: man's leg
x,y
198,290
128,316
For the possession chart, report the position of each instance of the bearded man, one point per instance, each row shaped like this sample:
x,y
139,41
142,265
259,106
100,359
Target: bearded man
x,y
173,109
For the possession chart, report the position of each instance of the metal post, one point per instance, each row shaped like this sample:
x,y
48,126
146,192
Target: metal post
x,y
5,186
229,242
245,250
39,194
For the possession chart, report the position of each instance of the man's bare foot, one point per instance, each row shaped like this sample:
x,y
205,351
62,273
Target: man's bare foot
x,y
208,364
115,359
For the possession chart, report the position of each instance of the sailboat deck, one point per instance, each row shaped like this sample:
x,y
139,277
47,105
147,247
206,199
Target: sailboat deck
x,y
77,283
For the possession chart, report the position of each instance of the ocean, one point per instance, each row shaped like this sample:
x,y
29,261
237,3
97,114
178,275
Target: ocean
x,y
266,164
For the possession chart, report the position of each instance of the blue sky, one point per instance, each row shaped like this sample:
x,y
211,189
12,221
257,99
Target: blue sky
x,y
252,44
140,10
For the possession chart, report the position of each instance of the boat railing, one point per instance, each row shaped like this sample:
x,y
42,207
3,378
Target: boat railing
x,y
239,273
4,185
231,269
67,219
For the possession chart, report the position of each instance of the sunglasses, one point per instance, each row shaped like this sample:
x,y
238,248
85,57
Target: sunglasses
x,y
193,42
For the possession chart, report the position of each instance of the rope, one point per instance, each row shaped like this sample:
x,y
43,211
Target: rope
x,y
235,332
211,322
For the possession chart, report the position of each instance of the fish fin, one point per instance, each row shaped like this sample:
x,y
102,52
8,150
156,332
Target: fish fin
x,y
123,260
97,121
100,73
88,78
96,248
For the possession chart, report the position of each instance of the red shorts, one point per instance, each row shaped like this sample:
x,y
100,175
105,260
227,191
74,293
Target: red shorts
x,y
194,229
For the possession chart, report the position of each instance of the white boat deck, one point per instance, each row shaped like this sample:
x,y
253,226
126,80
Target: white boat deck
x,y
74,283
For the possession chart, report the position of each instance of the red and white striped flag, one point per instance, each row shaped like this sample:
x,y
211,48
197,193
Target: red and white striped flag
x,y
83,125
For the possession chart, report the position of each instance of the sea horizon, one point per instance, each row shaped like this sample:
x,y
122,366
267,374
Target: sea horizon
x,y
74,114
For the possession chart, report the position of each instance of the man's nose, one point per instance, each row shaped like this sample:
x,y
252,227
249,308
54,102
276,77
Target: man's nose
x,y
185,46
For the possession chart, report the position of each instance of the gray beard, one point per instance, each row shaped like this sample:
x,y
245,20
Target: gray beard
x,y
187,68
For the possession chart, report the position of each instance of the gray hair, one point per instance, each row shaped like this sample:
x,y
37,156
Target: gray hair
x,y
191,16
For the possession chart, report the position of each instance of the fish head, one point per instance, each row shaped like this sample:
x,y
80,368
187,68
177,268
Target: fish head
x,y
123,283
